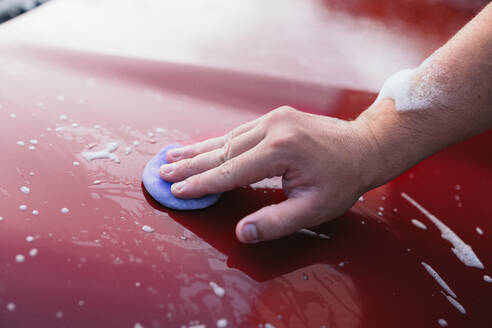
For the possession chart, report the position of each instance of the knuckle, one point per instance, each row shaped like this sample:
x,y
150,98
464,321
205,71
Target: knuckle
x,y
282,141
280,113
225,152
185,164
226,170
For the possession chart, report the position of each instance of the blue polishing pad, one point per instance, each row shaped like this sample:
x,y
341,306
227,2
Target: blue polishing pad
x,y
160,189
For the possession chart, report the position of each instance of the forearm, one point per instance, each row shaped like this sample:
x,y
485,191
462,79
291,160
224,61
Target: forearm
x,y
446,99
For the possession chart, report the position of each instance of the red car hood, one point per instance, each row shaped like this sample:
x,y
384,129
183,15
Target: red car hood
x,y
93,265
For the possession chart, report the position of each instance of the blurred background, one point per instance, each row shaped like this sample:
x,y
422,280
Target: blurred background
x,y
12,8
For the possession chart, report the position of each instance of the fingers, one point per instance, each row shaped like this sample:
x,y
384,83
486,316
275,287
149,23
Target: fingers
x,y
275,221
190,151
185,168
251,166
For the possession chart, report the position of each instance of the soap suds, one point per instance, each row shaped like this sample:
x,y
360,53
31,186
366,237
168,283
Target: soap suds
x,y
222,323
439,280
147,228
19,258
460,249
105,153
219,291
418,88
311,233
63,117
456,304
29,239
32,148
35,212
33,252
487,278
76,164
25,189
65,210
23,207
419,224
442,322
33,141
21,143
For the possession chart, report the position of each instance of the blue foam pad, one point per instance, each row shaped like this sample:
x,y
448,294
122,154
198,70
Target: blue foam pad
x,y
160,189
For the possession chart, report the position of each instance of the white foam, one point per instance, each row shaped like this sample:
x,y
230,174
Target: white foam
x,y
479,230
311,233
221,323
21,143
147,228
399,88
219,291
65,210
417,88
439,280
419,224
105,153
460,249
23,207
442,322
487,278
456,304
10,306
35,212
33,252
19,258
29,239
25,189
76,164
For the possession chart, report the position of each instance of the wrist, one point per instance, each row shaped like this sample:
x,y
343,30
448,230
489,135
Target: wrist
x,y
396,141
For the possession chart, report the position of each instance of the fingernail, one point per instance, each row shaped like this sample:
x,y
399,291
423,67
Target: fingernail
x,y
168,168
178,186
175,153
249,233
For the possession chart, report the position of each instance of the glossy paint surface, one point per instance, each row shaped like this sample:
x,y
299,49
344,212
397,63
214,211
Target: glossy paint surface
x,y
95,266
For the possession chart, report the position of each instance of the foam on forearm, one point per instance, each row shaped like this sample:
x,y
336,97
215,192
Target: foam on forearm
x,y
417,88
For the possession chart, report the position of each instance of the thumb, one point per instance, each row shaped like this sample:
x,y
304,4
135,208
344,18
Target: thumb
x,y
274,221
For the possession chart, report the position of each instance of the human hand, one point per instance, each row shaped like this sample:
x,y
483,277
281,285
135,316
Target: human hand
x,y
324,163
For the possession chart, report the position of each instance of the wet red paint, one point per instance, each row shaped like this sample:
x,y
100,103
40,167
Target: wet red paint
x,y
367,274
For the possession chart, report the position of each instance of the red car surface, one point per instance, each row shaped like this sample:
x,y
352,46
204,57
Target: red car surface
x,y
76,76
